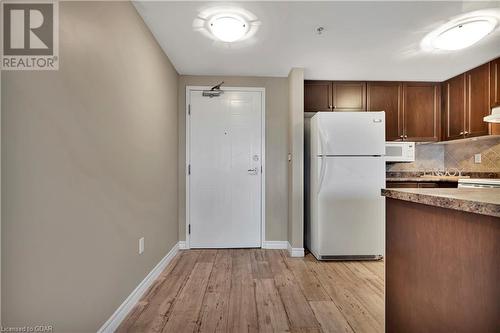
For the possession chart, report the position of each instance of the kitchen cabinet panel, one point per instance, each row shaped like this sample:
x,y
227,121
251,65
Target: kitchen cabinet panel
x,y
454,107
442,270
317,96
403,184
349,96
421,110
478,100
495,82
387,96
495,91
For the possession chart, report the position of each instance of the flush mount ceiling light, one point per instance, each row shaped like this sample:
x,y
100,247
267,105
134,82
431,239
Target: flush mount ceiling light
x,y
228,28
464,34
461,32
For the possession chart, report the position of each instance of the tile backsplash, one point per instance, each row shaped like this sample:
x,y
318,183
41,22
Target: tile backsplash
x,y
427,157
454,154
461,155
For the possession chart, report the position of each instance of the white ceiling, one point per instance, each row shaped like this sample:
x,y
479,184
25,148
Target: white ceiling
x,y
363,40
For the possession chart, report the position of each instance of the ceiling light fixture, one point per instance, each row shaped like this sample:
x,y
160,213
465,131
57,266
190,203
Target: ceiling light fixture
x,y
460,33
228,28
464,34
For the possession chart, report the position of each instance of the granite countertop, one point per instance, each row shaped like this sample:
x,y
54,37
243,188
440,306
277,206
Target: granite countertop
x,y
485,201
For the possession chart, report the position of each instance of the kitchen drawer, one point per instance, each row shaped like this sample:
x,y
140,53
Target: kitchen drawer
x,y
421,184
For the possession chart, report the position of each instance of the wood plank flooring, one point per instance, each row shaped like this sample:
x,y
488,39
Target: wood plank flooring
x,y
256,290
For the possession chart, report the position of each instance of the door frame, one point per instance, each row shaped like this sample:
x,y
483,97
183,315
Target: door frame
x,y
262,90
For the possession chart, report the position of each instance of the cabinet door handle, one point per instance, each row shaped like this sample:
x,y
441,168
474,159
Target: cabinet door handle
x,y
461,133
466,133
330,107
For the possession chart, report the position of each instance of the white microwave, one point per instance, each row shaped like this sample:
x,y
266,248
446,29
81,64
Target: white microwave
x,y
398,151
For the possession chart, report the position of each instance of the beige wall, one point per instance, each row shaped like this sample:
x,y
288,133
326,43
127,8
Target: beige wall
x,y
276,147
89,165
296,165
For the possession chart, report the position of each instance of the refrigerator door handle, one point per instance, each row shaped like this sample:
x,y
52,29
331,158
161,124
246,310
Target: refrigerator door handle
x,y
322,172
321,140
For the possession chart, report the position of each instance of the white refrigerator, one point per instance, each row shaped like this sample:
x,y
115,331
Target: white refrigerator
x,y
345,210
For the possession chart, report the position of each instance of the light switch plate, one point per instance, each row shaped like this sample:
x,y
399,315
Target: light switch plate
x,y
141,245
477,158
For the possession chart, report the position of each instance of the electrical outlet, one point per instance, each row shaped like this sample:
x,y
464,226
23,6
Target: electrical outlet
x,y
477,158
141,245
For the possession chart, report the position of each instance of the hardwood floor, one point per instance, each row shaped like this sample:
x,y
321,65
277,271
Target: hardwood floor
x,y
255,290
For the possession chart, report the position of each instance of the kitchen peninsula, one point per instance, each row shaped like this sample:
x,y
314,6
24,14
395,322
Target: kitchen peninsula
x,y
442,268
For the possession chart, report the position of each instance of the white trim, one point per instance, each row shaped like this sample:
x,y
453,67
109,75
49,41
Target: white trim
x,y
262,90
295,251
275,245
182,245
123,310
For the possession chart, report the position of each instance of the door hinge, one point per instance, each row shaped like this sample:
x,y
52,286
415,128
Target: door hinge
x,y
189,109
189,229
189,169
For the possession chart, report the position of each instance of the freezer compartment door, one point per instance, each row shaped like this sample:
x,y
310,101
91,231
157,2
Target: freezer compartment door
x,y
350,208
349,133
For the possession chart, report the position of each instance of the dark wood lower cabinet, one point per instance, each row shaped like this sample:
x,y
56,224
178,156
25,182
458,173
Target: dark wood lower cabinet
x,y
421,184
442,270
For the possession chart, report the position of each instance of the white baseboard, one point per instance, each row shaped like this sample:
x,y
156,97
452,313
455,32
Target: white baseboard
x,y
116,318
182,245
275,245
295,251
283,245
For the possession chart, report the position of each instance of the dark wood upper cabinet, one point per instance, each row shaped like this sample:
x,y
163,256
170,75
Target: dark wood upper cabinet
x,y
478,100
454,101
413,109
334,96
421,111
495,91
495,83
317,96
349,96
387,96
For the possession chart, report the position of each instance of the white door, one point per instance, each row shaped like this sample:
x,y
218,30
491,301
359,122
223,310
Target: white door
x,y
225,158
